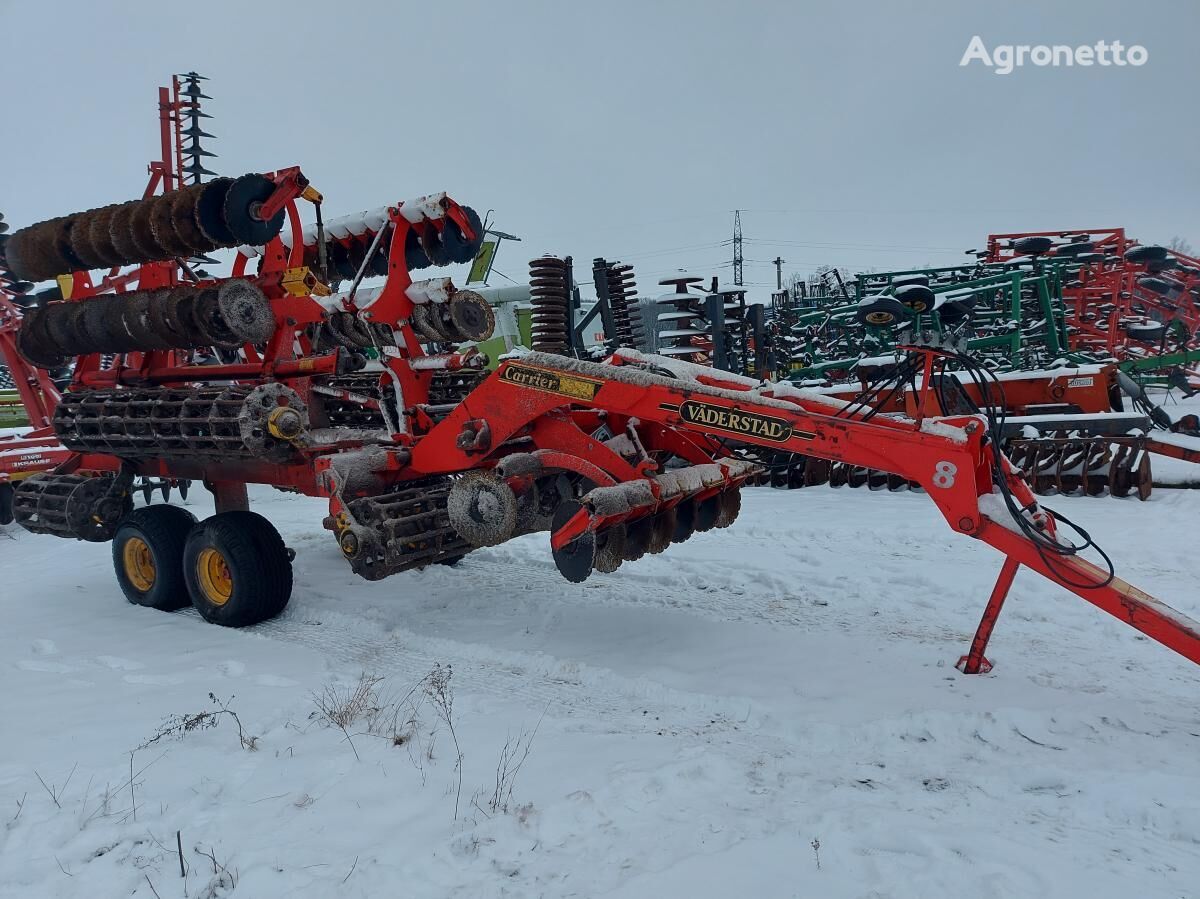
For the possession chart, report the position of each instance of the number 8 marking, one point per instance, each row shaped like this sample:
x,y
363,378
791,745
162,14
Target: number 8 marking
x,y
943,474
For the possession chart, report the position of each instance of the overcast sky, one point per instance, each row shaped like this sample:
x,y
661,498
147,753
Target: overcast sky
x,y
847,132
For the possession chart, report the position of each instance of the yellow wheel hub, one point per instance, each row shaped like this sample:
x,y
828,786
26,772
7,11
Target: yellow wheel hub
x,y
138,562
214,576
880,318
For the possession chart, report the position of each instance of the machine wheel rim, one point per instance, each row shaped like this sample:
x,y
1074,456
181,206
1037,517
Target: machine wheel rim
x,y
213,573
138,561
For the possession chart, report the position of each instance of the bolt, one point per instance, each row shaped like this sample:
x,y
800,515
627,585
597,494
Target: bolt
x,y
285,423
349,544
966,524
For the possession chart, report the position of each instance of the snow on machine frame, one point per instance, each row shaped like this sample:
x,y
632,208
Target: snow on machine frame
x,y
427,455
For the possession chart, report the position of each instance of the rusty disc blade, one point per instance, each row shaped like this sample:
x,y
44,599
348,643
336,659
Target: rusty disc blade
x,y
61,329
162,226
662,529
1096,472
731,506
246,310
685,521
1068,474
81,241
838,474
141,233
637,538
1118,473
610,548
420,322
35,252
816,471
135,315
112,315
62,247
16,248
178,317
211,322
98,222
34,344
120,232
1142,479
157,322
209,212
183,217
707,512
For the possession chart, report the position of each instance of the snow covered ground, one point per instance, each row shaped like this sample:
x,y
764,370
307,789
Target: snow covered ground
x,y
767,711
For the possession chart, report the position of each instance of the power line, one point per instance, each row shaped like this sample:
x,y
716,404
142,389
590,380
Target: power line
x,y
846,246
737,248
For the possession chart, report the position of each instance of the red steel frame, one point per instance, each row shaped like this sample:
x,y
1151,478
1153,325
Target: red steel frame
x,y
37,450
1107,293
547,409
899,447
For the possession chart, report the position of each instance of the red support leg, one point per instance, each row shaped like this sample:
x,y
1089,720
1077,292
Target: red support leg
x,y
229,496
974,662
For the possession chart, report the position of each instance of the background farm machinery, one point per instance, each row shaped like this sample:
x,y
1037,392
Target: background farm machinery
x,y
1043,310
695,320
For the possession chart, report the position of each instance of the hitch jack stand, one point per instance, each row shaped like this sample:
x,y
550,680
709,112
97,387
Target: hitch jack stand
x,y
974,661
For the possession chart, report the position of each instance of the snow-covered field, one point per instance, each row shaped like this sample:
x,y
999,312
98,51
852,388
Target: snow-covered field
x,y
766,711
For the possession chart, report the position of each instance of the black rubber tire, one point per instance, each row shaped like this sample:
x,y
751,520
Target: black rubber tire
x,y
1154,285
258,564
882,311
1074,249
6,503
916,297
1146,253
1032,246
165,530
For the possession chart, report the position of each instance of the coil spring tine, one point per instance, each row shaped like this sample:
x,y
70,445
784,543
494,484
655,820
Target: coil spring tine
x,y
550,297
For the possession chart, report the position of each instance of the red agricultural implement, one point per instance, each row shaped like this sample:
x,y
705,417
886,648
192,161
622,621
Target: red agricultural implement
x,y
373,399
1123,299
1079,430
25,454
616,458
